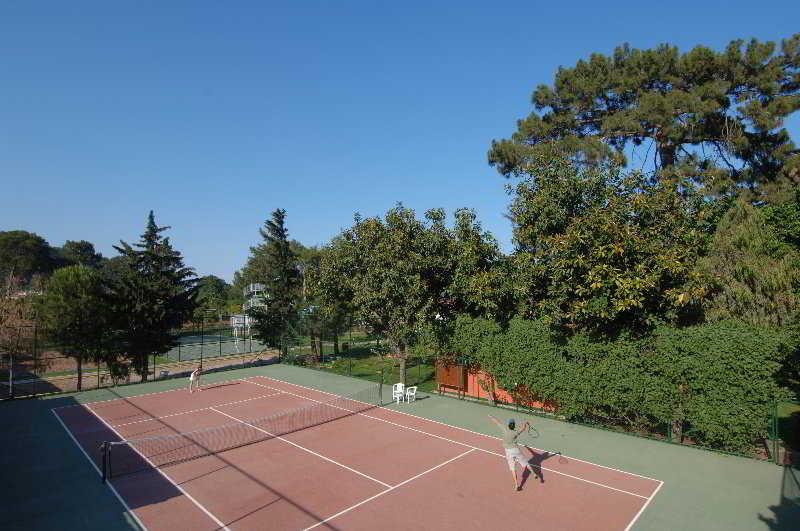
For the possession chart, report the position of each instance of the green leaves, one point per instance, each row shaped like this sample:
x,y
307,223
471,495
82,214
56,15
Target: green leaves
x,y
714,117
604,251
282,279
755,275
74,313
717,379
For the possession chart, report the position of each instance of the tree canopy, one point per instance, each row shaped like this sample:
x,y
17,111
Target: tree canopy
x,y
716,117
80,253
755,274
24,254
603,249
73,311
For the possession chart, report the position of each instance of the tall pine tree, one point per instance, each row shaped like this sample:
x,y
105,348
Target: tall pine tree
x,y
152,294
275,320
716,117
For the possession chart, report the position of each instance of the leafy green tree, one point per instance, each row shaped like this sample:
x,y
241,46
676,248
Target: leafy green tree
x,y
260,264
283,283
80,253
394,268
17,313
212,296
153,292
603,250
73,312
329,290
25,254
712,116
480,275
784,219
756,274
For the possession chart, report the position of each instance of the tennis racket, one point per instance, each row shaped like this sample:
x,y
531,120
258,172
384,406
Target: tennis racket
x,y
531,432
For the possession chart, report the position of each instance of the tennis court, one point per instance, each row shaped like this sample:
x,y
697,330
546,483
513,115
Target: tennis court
x,y
260,453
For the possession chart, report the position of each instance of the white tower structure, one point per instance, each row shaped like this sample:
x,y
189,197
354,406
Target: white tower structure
x,y
255,295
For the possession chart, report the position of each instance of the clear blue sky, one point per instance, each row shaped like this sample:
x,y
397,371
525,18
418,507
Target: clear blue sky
x,y
213,113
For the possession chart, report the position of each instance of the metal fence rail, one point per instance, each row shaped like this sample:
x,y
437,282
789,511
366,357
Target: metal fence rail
x,y
34,365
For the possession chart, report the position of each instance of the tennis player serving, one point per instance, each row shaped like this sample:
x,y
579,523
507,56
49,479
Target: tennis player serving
x,y
510,434
194,379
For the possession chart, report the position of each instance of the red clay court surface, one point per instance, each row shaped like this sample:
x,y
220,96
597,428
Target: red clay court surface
x,y
378,469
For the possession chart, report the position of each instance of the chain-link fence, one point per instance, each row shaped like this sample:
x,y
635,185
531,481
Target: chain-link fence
x,y
360,356
784,432
33,364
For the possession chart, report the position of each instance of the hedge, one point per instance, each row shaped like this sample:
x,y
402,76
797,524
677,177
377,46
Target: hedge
x,y
714,382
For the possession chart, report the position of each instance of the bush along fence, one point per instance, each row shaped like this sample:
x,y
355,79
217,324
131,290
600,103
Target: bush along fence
x,y
32,364
713,386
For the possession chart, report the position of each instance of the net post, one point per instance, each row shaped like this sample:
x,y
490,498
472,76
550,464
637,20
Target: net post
x,y
104,461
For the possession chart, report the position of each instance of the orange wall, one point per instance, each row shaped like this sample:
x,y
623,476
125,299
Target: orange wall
x,y
474,390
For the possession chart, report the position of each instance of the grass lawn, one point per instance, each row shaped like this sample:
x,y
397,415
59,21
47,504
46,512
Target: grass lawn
x,y
362,362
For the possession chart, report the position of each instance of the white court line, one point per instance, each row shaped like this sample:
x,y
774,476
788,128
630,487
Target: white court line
x,y
189,496
301,447
641,510
198,410
99,473
455,427
362,502
182,388
460,443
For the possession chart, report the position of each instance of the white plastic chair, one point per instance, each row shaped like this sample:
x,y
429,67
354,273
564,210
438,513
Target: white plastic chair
x,y
398,392
411,393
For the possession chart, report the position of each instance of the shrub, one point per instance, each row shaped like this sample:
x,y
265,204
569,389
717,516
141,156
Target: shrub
x,y
717,380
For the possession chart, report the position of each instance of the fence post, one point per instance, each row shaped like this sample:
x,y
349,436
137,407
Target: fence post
x,y
775,433
380,389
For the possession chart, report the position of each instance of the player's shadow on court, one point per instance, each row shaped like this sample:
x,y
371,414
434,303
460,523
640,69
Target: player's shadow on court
x,y
536,460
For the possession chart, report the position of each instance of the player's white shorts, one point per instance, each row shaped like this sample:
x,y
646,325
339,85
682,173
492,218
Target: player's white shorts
x,y
513,454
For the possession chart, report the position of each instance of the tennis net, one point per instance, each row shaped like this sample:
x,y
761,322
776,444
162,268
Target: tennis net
x,y
146,453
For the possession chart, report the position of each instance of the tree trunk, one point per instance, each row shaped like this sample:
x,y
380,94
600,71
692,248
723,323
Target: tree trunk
x,y
488,386
677,431
666,152
145,367
336,343
79,359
